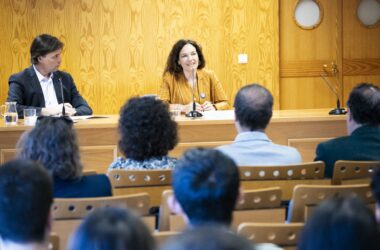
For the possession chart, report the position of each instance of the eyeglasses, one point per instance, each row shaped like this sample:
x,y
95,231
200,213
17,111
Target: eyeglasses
x,y
66,119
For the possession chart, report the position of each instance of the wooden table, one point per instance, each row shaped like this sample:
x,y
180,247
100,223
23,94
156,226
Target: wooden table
x,y
302,129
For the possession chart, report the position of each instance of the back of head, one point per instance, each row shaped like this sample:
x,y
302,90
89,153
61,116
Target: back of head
x,y
206,184
146,129
208,238
25,199
42,45
112,228
364,104
53,143
340,224
253,107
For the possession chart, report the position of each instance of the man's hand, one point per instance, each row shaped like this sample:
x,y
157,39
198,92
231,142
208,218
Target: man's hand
x,y
57,110
207,106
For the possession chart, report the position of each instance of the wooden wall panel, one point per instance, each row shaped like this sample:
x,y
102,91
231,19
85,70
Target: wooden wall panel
x,y
117,49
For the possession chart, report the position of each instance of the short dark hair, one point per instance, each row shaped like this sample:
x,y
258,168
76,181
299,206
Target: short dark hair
x,y
375,185
26,195
206,184
253,107
364,104
146,129
210,238
172,65
341,223
112,228
42,45
53,142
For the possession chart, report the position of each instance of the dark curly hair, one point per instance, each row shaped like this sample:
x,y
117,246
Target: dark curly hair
x,y
364,104
253,107
146,129
53,142
172,65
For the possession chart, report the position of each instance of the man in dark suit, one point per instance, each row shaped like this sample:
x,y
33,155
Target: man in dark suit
x,y
41,85
363,126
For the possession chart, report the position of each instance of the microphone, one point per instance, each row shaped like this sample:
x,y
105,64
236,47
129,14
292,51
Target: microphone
x,y
63,100
338,110
194,113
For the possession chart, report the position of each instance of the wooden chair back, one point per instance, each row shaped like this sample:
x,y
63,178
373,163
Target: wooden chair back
x,y
153,182
162,237
353,170
69,212
284,235
138,178
261,205
306,197
305,170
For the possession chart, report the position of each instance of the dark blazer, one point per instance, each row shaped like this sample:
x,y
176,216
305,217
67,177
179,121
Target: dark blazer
x,y
362,145
88,186
26,91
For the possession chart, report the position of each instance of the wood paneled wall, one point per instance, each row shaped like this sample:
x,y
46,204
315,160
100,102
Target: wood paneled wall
x,y
115,49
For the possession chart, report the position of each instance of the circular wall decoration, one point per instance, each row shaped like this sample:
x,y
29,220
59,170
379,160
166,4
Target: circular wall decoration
x,y
308,14
368,13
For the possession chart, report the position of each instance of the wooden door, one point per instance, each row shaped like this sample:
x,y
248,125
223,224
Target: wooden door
x,y
349,50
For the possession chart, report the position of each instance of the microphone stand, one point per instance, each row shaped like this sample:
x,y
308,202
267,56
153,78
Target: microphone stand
x,y
338,110
194,113
63,101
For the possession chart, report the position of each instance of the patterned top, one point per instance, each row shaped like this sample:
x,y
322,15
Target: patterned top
x,y
208,88
164,162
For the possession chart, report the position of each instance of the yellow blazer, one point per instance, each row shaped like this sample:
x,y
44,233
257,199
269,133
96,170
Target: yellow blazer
x,y
208,88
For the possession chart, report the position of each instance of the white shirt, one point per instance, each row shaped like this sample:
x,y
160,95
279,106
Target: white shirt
x,y
47,88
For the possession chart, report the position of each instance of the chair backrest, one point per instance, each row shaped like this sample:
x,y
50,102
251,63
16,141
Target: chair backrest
x,y
285,235
69,212
305,197
305,170
162,237
137,178
353,170
262,205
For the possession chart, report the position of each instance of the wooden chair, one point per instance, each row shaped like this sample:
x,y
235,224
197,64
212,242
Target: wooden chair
x,y
262,205
53,242
153,182
286,177
353,170
281,234
306,197
68,213
162,237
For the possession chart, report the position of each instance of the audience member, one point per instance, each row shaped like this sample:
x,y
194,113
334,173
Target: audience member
x,y
375,184
185,80
40,86
206,189
26,196
363,127
253,111
112,228
340,224
147,133
207,238
53,142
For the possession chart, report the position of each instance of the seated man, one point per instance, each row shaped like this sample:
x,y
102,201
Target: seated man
x,y
363,127
26,195
253,111
206,188
42,86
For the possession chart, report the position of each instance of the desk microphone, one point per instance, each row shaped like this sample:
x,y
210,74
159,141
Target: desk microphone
x,y
63,100
338,110
194,113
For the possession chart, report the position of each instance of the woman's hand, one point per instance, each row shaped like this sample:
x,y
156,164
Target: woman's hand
x,y
207,106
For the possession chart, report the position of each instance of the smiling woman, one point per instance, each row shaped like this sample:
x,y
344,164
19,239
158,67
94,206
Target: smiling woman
x,y
185,80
